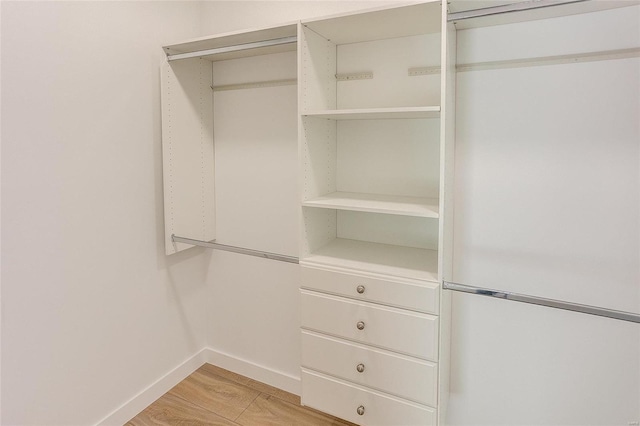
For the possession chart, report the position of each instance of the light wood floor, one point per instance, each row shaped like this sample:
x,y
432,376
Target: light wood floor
x,y
213,396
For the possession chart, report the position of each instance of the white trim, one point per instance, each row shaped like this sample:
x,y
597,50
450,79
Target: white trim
x,y
254,371
135,405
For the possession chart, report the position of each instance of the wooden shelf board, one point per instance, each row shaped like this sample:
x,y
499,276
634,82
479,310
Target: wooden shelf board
x,y
377,113
373,203
384,259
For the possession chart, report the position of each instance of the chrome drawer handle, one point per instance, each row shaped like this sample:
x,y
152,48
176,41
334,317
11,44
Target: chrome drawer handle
x,y
360,368
360,410
360,325
360,289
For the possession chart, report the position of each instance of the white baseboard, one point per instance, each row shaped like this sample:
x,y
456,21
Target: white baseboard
x,y
131,408
254,371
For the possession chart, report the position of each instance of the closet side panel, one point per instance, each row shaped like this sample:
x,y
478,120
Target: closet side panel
x,y
445,253
317,72
187,152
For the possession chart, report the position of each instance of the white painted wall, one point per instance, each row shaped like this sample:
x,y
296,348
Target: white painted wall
x,y
225,16
92,310
547,203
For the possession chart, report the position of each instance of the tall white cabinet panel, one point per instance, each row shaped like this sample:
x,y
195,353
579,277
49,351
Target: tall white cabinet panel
x,y
367,211
187,151
372,169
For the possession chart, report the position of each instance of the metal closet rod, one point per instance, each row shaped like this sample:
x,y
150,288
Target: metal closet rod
x,y
234,249
447,285
233,48
558,304
508,8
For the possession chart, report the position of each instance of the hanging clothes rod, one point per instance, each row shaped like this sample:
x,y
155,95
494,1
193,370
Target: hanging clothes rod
x,y
508,8
234,249
551,303
234,48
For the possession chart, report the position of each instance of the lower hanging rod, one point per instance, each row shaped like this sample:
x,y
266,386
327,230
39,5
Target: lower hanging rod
x,y
234,249
558,304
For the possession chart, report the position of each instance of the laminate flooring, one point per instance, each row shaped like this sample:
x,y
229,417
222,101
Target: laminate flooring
x,y
214,396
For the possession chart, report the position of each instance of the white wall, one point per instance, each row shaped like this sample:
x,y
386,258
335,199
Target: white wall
x,y
547,203
92,310
225,16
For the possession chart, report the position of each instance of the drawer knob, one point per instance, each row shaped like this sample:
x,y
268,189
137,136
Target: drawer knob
x,y
360,289
360,410
360,368
360,325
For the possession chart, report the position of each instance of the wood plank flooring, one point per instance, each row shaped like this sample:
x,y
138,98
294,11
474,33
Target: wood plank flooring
x,y
214,396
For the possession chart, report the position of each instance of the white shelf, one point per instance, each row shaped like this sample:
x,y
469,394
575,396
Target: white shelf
x,y
380,23
384,259
377,113
237,38
373,203
497,15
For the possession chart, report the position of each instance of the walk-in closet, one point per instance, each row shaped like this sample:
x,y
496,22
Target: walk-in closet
x,y
381,213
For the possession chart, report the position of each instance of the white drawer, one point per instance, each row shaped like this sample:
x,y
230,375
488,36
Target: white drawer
x,y
408,332
342,399
388,372
411,294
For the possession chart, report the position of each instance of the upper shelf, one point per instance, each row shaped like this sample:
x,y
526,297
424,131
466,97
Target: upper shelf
x,y
481,13
238,44
377,113
381,23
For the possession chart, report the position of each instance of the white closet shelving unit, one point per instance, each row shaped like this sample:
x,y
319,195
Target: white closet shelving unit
x,y
231,78
376,129
373,151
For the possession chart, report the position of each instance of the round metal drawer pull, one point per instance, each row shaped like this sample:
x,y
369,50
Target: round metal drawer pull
x,y
360,368
360,289
360,410
360,325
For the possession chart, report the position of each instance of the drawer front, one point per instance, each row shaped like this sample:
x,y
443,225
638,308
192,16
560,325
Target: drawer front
x,y
416,295
343,399
390,373
411,333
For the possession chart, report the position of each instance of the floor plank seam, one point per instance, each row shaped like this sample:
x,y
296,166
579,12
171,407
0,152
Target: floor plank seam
x,y
200,406
222,395
245,409
215,413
